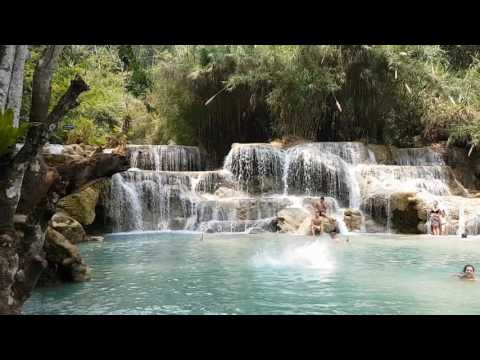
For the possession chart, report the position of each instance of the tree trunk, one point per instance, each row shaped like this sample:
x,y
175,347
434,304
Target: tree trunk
x,y
7,57
12,171
41,86
15,91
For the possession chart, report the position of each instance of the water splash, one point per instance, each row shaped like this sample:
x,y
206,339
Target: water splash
x,y
315,255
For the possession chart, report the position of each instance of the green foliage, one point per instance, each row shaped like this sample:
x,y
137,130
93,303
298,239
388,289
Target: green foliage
x,y
9,135
86,132
211,95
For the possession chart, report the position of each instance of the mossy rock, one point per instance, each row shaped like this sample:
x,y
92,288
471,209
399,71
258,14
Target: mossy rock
x,y
81,205
68,227
65,262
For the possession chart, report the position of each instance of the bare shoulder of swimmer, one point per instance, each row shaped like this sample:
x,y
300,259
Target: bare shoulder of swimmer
x,y
467,276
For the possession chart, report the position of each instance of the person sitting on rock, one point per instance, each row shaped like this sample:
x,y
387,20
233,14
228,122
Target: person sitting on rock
x,y
316,225
436,219
468,273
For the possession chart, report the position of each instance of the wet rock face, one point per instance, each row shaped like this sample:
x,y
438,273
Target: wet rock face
x,y
71,229
293,218
407,211
352,219
466,168
382,153
81,206
64,260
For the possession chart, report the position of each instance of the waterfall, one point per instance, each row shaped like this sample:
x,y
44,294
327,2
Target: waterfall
x,y
417,156
461,220
165,157
432,179
168,186
257,168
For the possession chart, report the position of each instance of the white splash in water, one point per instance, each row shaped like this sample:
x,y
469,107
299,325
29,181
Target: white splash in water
x,y
314,255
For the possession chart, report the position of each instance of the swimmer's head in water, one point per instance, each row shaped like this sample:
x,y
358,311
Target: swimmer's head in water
x,y
469,269
464,235
322,198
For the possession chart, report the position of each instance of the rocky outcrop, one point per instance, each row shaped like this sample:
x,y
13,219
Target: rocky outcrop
x,y
64,260
62,154
353,219
68,227
408,212
292,218
81,205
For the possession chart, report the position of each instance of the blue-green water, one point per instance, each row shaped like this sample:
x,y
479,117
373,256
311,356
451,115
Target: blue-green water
x,y
175,273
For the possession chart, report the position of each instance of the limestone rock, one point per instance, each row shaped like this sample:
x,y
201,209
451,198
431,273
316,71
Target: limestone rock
x,y
81,205
65,258
292,218
305,227
352,219
406,209
71,229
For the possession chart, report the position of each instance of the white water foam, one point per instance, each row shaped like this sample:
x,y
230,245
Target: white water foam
x,y
315,255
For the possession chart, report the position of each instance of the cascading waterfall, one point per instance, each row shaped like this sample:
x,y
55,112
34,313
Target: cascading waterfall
x,y
257,168
168,186
417,157
165,157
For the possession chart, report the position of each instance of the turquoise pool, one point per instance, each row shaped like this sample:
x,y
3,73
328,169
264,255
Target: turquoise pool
x,y
181,273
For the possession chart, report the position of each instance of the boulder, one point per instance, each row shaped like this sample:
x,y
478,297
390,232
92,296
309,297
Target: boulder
x,y
71,229
64,258
352,219
292,218
407,211
81,205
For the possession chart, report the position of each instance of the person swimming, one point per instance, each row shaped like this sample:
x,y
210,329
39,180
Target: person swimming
x,y
468,273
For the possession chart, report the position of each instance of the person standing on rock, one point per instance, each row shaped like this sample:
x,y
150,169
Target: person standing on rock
x,y
436,219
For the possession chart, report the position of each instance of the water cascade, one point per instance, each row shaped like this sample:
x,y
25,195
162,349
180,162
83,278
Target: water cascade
x,y
169,187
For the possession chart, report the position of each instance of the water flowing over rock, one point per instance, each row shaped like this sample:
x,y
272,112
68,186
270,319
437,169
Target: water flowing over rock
x,y
165,157
367,188
258,168
417,156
